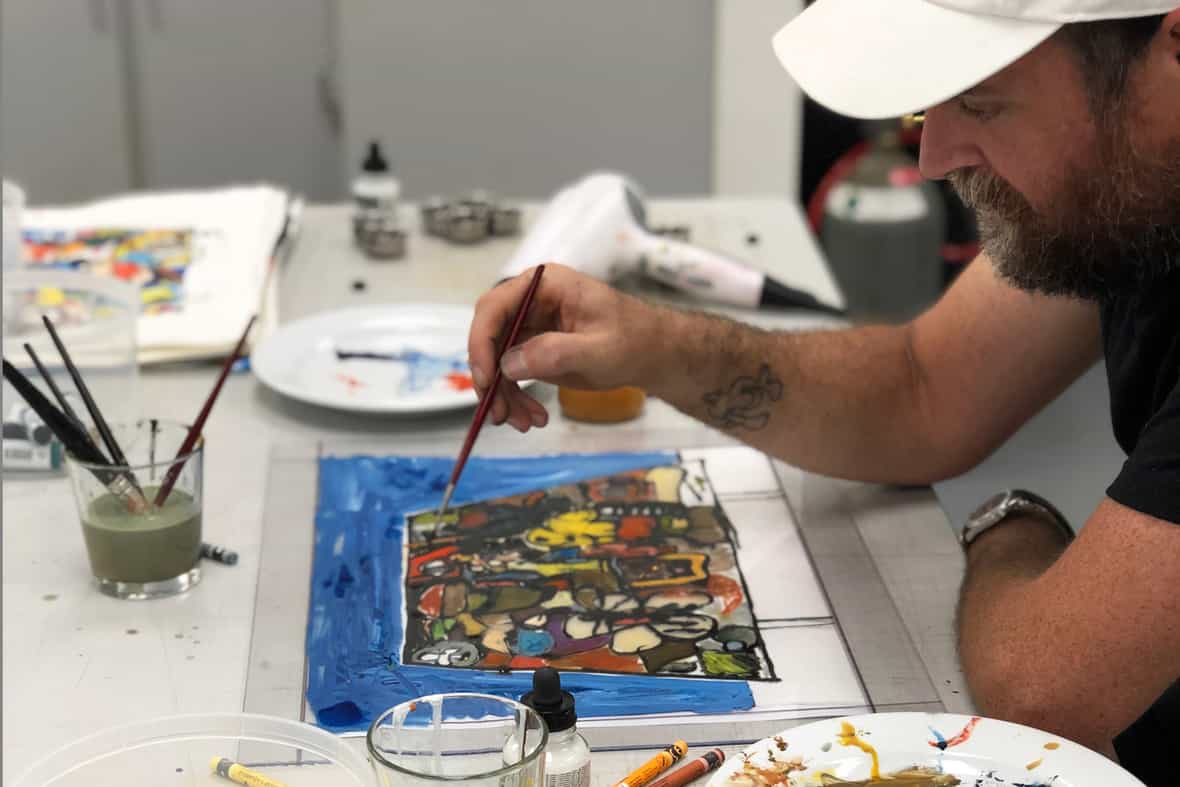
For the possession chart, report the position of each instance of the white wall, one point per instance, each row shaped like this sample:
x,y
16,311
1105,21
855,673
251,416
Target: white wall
x,y
522,96
758,109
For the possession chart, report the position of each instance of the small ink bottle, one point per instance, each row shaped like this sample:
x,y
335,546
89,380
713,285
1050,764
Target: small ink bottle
x,y
567,756
375,193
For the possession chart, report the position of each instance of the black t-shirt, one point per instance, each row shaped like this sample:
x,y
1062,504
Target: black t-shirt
x,y
1141,333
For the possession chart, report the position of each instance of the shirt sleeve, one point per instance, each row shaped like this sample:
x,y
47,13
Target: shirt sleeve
x,y
1149,481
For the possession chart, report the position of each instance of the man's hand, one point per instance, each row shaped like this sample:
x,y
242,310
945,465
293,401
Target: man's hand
x,y
579,332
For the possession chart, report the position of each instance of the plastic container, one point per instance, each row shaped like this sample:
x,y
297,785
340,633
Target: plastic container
x,y
180,750
603,407
14,206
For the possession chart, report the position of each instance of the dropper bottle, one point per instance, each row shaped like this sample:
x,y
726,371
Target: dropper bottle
x,y
567,757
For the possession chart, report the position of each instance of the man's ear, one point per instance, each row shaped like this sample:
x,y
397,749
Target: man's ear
x,y
1171,28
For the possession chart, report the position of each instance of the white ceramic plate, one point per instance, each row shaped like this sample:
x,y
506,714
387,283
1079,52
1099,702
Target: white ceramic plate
x,y
399,358
988,754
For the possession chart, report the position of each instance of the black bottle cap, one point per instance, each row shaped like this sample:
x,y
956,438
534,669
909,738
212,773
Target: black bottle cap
x,y
555,706
375,162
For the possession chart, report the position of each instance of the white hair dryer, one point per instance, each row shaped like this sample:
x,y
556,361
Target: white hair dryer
x,y
598,226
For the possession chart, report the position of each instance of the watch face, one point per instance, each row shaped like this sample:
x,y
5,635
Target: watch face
x,y
993,504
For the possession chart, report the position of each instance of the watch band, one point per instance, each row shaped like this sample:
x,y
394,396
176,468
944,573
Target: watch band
x,y
1002,506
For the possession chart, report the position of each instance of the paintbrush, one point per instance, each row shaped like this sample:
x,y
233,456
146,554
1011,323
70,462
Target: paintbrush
x,y
194,432
76,441
48,378
100,423
485,404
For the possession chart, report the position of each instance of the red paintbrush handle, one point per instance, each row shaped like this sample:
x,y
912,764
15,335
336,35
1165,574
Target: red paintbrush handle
x,y
485,404
194,432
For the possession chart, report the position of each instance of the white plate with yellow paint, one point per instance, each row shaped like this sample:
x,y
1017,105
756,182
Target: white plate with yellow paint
x,y
939,750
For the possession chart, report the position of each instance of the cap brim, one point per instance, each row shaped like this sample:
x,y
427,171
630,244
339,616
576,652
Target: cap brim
x,y
885,58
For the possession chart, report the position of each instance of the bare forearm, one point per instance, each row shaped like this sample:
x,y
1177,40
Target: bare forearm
x,y
1005,642
844,403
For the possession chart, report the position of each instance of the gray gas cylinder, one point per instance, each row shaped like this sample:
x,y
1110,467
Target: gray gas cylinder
x,y
883,230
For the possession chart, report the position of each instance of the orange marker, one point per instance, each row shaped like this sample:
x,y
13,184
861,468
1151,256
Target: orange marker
x,y
655,766
709,761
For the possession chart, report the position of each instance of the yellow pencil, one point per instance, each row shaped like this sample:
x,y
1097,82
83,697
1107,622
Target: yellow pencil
x,y
655,766
241,774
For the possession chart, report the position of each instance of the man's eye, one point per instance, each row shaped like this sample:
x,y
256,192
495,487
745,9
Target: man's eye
x,y
975,112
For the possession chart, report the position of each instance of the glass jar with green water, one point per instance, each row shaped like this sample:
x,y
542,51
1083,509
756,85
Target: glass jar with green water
x,y
141,521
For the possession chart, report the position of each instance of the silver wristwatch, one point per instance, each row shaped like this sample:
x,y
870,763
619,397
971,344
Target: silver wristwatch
x,y
1014,501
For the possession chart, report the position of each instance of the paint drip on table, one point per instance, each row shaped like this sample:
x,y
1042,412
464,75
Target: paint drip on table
x,y
619,569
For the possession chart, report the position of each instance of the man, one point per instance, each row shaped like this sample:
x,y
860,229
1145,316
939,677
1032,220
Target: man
x,y
1059,122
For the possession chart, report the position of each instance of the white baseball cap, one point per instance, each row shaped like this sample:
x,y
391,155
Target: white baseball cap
x,y
884,58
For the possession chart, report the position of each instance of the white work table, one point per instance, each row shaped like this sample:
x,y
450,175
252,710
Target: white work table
x,y
75,661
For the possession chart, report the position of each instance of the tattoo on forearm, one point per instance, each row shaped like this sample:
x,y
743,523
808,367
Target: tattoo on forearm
x,y
745,404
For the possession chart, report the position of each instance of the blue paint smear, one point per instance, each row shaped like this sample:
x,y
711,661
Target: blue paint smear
x,y
422,369
354,628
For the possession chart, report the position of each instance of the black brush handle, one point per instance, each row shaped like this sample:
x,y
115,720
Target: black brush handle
x,y
72,436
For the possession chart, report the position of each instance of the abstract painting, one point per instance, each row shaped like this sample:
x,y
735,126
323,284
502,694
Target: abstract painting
x,y
156,260
658,583
634,573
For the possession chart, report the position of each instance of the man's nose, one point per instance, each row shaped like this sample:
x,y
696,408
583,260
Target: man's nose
x,y
945,147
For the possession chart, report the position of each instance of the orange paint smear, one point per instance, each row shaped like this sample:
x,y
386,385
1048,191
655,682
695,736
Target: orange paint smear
x,y
726,590
603,659
1034,764
964,734
527,662
460,381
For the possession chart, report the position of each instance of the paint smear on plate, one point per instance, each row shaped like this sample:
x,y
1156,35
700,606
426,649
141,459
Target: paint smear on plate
x,y
942,744
460,381
1052,745
1034,764
350,382
848,737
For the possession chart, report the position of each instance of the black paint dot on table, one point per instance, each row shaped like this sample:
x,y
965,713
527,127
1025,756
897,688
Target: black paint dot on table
x,y
49,597
180,770
196,642
195,628
178,635
132,631
359,285
752,238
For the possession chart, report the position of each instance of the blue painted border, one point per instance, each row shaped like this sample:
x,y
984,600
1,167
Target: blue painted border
x,y
354,629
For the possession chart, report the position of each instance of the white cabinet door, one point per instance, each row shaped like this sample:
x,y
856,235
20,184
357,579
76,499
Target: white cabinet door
x,y
233,91
63,121
520,96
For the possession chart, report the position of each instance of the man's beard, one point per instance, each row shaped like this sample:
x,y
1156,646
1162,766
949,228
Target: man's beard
x,y
1113,229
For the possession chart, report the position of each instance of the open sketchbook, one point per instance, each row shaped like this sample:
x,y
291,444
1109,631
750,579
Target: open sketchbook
x,y
201,260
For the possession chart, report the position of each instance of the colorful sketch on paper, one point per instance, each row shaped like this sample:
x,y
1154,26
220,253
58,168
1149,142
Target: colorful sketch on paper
x,y
618,568
633,573
424,371
156,260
